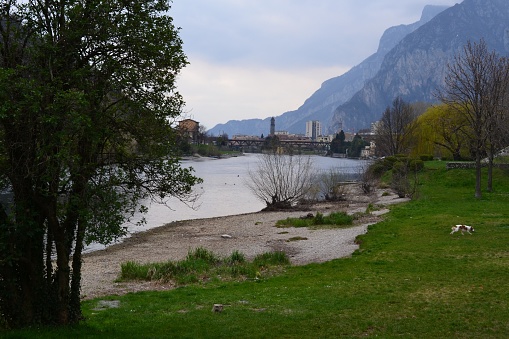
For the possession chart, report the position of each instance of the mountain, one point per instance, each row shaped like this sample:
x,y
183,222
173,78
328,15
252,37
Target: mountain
x,y
414,69
333,92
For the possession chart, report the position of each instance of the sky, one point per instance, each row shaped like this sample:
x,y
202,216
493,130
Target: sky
x,y
261,58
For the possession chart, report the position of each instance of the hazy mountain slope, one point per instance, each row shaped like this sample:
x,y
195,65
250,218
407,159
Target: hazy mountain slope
x,y
333,92
414,69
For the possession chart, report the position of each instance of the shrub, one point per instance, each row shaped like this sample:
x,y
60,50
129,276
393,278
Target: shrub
x,y
280,180
329,184
389,161
416,165
400,182
426,157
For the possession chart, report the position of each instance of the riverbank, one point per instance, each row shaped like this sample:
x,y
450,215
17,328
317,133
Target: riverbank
x,y
251,234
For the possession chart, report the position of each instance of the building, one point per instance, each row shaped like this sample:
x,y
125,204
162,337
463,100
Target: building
x,y
325,138
272,127
189,128
313,129
369,151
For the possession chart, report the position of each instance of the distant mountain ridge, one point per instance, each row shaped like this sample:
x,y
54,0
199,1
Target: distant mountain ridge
x,y
414,68
333,92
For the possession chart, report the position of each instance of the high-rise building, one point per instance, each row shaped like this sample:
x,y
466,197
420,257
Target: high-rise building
x,y
313,129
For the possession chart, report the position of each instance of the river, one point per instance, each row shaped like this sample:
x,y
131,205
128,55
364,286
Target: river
x,y
223,191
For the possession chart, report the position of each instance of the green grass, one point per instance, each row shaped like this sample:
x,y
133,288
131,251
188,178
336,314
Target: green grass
x,y
410,278
333,220
202,266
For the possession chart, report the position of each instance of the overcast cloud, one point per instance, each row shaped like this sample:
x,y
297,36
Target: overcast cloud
x,y
261,58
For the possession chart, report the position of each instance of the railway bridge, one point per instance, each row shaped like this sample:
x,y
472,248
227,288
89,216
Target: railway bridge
x,y
288,144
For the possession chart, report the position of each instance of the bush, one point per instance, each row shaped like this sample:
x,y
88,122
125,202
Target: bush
x,y
399,167
281,181
400,182
329,184
378,168
416,165
389,161
426,157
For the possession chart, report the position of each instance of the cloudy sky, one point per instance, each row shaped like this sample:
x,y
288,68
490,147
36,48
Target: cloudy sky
x,y
260,58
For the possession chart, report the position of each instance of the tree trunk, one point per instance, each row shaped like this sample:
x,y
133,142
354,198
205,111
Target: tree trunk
x,y
75,301
489,188
478,193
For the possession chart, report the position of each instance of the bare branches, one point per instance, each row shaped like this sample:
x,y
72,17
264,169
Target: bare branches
x,y
475,86
396,128
281,180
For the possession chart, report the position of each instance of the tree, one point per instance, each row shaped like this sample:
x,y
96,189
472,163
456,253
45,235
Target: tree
x,y
475,84
395,131
356,147
271,143
444,127
202,137
87,101
281,180
330,184
338,144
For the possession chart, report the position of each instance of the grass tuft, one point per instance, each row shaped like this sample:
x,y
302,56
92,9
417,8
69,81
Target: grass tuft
x,y
200,265
333,220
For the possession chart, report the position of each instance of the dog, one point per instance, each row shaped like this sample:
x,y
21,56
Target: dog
x,y
463,229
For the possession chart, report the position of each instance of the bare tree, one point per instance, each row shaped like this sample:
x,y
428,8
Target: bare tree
x,y
331,184
395,131
475,84
496,134
281,180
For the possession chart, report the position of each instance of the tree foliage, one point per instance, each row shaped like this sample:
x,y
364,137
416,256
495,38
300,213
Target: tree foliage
x,y
87,101
443,132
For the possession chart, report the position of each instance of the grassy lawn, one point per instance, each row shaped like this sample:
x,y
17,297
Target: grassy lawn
x,y
410,279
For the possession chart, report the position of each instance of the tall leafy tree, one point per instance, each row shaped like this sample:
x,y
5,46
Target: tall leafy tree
x,y
443,127
357,146
87,104
475,85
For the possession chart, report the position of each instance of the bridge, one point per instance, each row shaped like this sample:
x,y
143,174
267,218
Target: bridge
x,y
286,144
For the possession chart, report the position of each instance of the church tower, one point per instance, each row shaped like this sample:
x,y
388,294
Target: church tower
x,y
272,126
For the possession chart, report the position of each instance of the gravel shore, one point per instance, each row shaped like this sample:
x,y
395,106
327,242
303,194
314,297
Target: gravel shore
x,y
251,234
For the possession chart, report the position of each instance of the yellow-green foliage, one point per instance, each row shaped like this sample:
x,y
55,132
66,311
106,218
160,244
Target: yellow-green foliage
x,y
438,127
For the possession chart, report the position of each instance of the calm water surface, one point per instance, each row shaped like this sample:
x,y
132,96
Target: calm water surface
x,y
223,191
